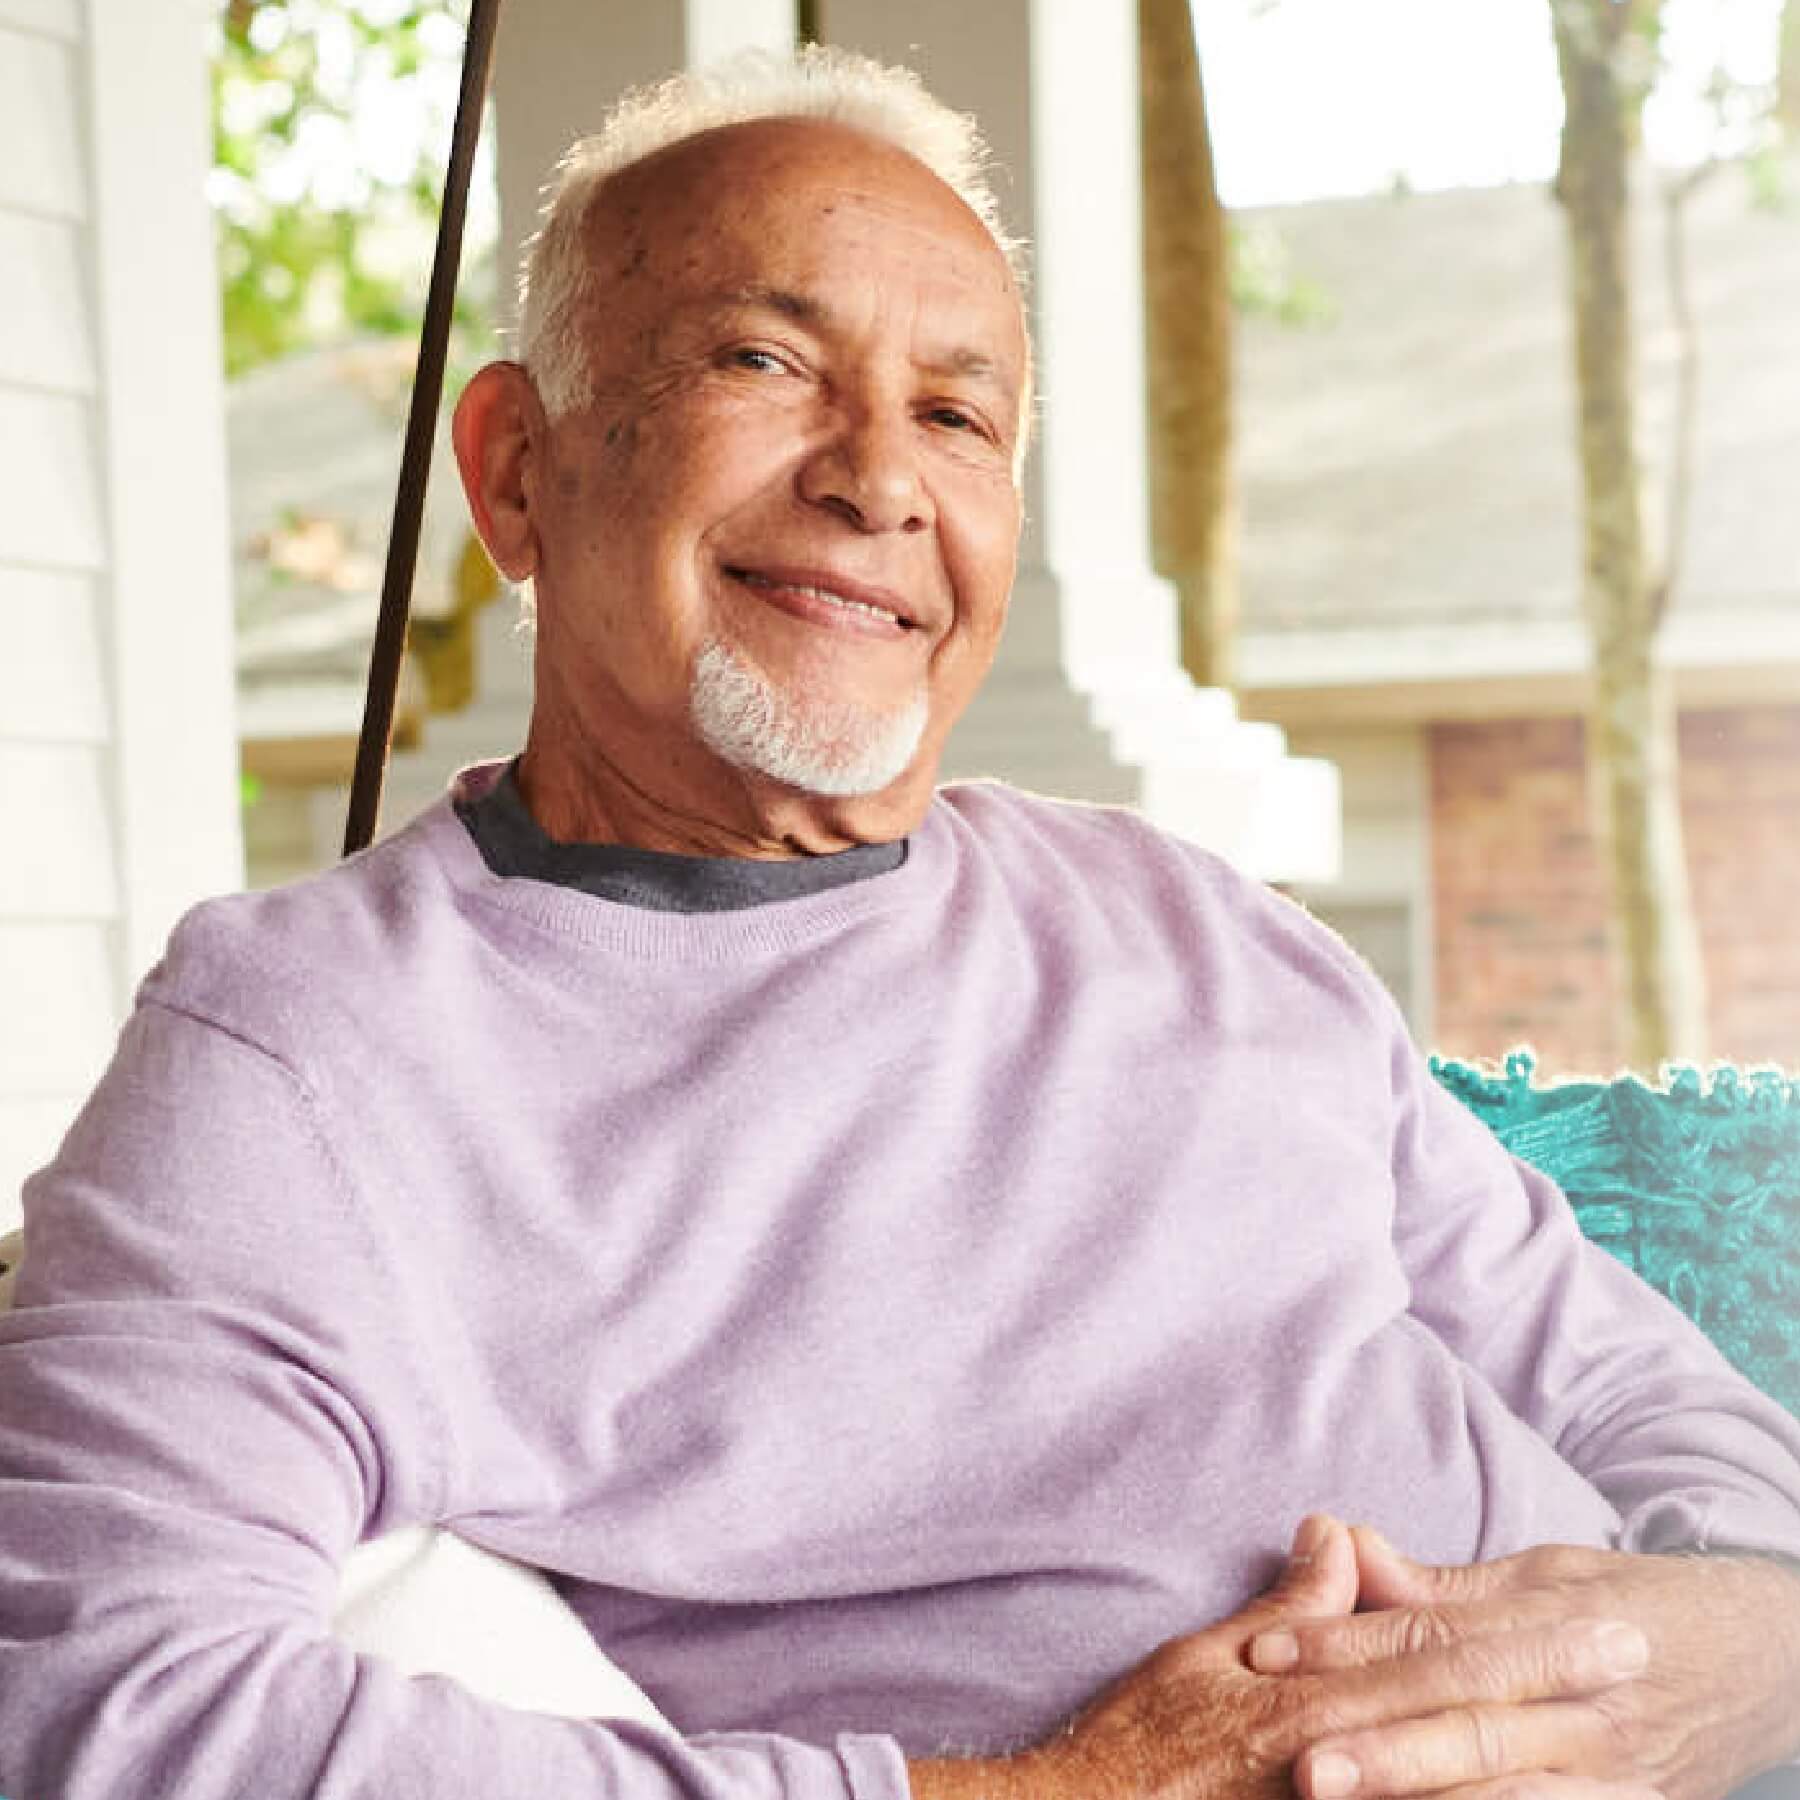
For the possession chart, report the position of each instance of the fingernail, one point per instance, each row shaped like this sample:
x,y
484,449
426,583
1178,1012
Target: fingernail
x,y
1624,1649
1308,1538
1273,1651
1334,1776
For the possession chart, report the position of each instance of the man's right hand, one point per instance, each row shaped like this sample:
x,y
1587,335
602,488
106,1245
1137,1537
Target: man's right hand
x,y
1194,1721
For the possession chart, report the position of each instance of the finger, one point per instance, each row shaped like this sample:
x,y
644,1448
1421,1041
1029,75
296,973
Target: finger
x,y
1460,1746
1298,1647
1388,1578
1551,1784
1318,1581
1391,1578
1507,1670
1320,1578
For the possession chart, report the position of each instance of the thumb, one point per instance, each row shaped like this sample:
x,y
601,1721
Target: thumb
x,y
1321,1578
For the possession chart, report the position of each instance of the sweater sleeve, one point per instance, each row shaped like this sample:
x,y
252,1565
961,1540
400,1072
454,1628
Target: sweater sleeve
x,y
214,1383
1629,1391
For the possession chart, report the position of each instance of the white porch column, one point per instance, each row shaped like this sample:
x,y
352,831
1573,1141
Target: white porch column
x,y
1087,697
162,417
1030,723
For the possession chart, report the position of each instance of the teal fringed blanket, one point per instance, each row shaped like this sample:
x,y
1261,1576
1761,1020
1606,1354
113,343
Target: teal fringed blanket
x,y
1695,1187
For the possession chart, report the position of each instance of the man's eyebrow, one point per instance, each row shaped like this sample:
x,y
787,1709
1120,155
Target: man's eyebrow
x,y
803,309
965,361
976,364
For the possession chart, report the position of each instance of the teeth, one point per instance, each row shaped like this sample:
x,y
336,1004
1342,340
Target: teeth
x,y
819,593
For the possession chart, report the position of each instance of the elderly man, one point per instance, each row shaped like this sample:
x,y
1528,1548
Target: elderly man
x,y
904,1260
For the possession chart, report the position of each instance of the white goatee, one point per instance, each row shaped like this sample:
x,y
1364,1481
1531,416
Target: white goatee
x,y
821,746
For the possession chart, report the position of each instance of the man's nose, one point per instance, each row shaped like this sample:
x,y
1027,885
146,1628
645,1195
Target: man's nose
x,y
867,472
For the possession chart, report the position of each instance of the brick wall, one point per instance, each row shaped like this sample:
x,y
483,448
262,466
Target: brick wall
x,y
1521,942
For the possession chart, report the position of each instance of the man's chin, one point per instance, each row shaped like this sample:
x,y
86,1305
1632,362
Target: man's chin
x,y
835,751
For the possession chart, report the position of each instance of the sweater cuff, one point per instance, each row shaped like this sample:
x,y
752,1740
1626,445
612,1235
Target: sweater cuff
x,y
1726,1527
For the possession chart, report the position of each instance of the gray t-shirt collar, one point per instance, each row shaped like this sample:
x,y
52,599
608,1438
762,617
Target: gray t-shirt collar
x,y
512,843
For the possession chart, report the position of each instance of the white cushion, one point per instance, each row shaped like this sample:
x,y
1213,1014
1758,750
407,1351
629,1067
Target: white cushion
x,y
434,1604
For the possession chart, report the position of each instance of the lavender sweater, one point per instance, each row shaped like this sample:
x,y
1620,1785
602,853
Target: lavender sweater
x,y
891,1312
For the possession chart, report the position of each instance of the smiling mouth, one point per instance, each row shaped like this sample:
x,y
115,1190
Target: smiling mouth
x,y
855,603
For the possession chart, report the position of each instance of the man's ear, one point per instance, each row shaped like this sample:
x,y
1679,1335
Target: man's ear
x,y
497,430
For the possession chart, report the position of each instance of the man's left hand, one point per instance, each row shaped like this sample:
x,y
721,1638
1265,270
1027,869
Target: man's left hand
x,y
1715,1704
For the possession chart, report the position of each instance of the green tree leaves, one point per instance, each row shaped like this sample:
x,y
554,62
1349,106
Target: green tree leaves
x,y
331,126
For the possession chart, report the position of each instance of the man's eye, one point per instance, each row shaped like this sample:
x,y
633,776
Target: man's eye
x,y
954,418
763,362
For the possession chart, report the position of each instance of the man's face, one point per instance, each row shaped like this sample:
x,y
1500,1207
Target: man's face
x,y
789,516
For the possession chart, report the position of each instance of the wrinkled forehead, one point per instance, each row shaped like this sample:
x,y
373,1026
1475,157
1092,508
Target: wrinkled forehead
x,y
764,184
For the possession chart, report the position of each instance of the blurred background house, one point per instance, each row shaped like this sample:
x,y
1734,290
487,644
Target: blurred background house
x,y
1411,582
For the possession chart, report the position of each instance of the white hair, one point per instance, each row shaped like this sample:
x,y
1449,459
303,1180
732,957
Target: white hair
x,y
815,82
819,745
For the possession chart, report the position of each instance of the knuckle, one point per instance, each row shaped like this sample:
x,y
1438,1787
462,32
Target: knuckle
x,y
1424,1629
1558,1562
1258,1729
1271,1734
1487,1741
1490,1668
1318,1711
1617,1721
1350,1645
1567,1653
1633,1744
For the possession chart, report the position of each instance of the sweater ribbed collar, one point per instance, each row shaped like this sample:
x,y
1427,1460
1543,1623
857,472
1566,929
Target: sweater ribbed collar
x,y
513,844
775,928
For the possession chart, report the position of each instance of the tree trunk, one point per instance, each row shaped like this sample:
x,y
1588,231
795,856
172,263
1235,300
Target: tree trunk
x,y
1631,733
1187,302
1787,77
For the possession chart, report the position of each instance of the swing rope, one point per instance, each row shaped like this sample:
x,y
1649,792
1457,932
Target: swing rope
x,y
415,461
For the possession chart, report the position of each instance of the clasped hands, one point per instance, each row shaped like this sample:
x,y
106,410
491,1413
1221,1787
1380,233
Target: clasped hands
x,y
1557,1674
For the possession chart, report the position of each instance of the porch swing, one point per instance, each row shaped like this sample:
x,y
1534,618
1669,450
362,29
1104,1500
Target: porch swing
x,y
1696,1186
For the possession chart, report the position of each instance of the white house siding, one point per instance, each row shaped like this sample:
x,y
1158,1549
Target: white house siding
x,y
117,779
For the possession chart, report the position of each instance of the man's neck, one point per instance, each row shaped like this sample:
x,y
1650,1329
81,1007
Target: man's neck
x,y
514,846
685,808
